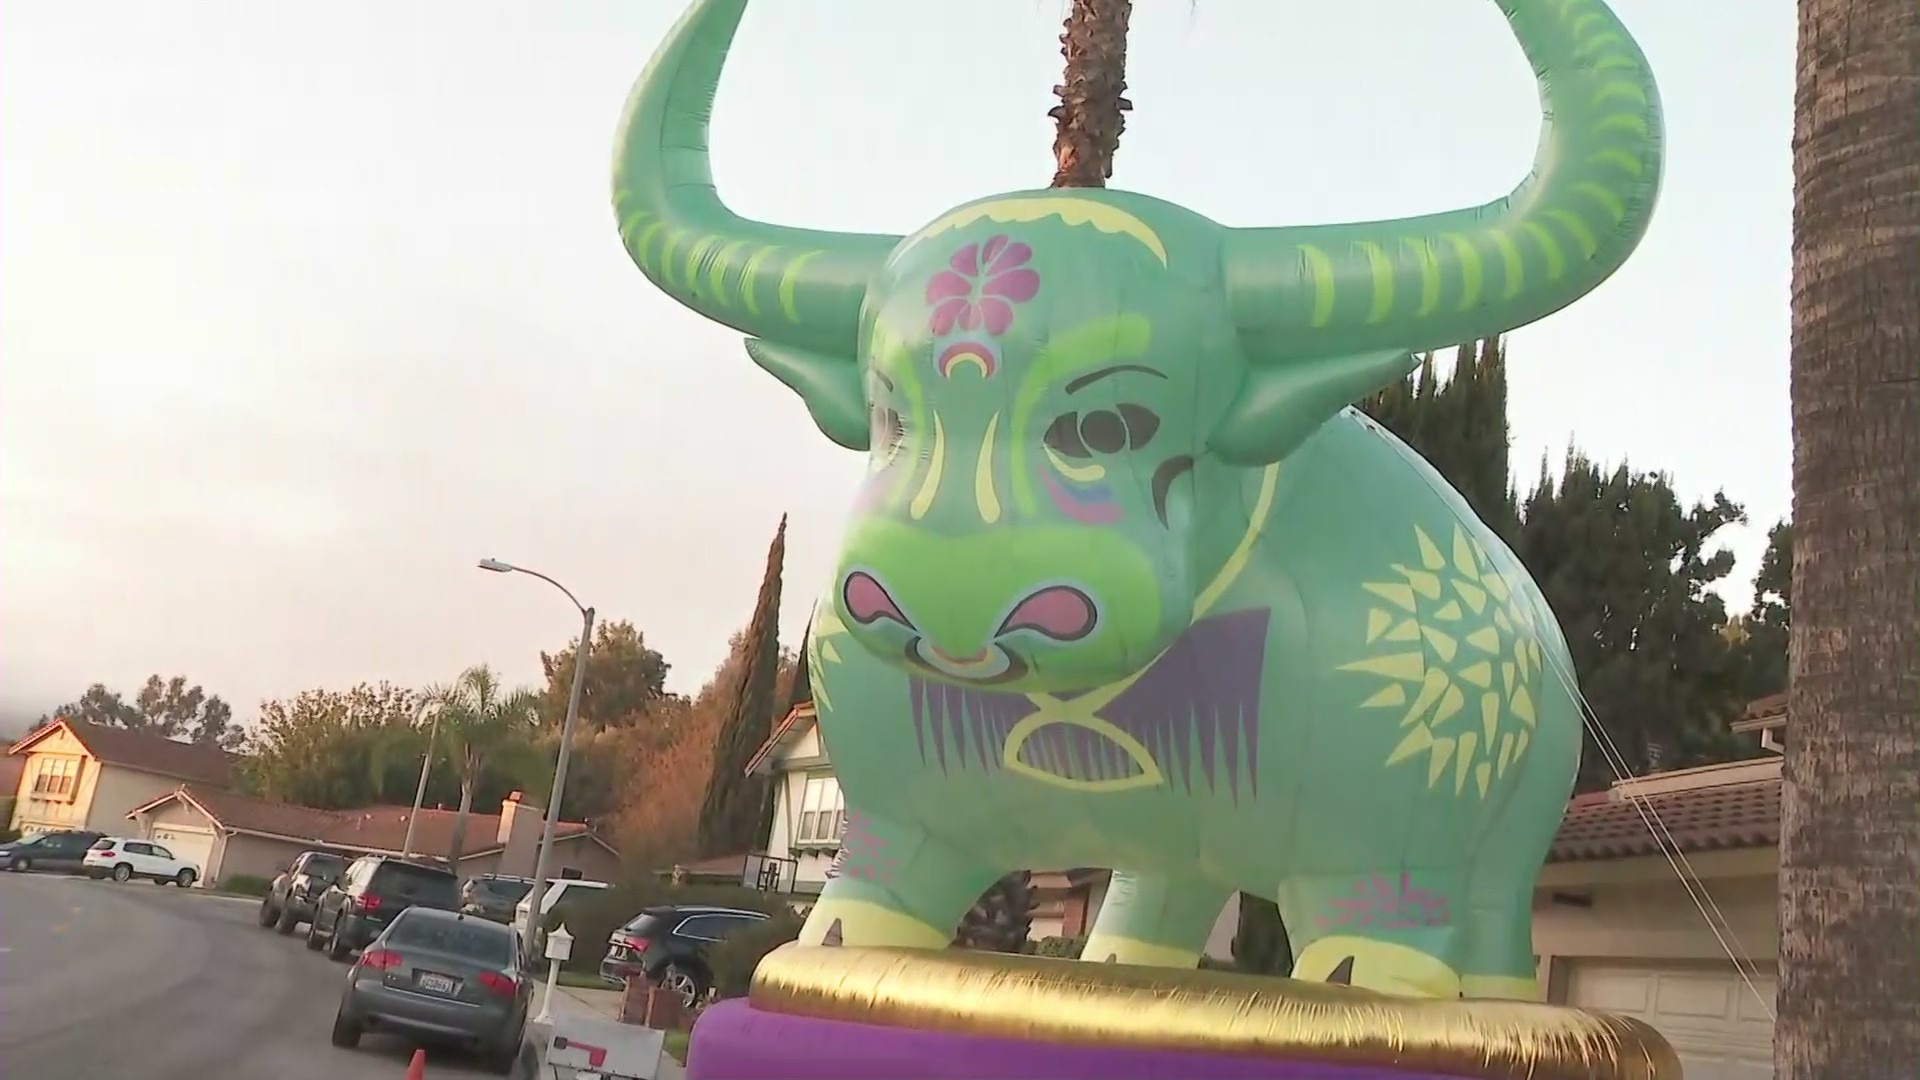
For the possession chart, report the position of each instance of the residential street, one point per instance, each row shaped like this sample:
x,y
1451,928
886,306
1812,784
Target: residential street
x,y
138,982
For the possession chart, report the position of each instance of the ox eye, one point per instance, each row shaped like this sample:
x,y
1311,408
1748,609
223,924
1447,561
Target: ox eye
x,y
1078,436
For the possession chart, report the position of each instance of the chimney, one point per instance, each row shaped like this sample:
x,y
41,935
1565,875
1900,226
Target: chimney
x,y
508,810
519,835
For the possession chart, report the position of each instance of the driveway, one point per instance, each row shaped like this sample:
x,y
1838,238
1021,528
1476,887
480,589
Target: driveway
x,y
137,982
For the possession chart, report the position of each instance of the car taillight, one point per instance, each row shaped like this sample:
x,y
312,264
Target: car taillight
x,y
380,959
364,904
104,853
499,984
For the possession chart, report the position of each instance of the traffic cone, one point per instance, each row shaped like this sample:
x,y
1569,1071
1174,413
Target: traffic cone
x,y
417,1068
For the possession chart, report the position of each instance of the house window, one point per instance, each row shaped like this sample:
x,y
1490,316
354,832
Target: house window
x,y
57,778
823,812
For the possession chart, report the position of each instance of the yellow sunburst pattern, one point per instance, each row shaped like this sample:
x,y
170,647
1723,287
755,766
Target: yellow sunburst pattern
x,y
1458,648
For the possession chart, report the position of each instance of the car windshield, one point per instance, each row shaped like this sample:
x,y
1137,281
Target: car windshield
x,y
474,939
417,883
325,866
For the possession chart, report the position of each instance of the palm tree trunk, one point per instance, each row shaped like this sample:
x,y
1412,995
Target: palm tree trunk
x,y
457,847
1849,869
1092,111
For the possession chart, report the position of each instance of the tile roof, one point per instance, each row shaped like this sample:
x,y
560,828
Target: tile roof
x,y
143,751
371,828
791,725
1614,825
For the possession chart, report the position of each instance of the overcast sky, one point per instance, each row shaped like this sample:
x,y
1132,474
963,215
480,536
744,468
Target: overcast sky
x,y
307,307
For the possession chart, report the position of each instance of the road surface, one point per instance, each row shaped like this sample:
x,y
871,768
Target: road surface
x,y
139,982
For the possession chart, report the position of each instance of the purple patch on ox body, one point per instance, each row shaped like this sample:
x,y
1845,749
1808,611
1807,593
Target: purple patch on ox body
x,y
1198,705
735,1041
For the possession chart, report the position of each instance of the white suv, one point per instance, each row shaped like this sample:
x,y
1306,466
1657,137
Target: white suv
x,y
123,860
568,890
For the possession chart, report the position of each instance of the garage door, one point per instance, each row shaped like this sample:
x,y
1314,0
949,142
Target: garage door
x,y
194,847
1712,1017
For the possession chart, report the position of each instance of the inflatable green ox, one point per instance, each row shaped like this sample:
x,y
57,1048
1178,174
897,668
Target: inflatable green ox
x,y
1129,582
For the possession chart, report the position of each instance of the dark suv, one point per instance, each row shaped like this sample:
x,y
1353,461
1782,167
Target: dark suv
x,y
669,945
492,896
289,900
374,889
48,851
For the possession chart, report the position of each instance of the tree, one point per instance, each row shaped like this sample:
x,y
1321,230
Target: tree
x,y
481,722
1761,635
1092,110
1260,945
735,803
1850,813
1002,919
1459,425
624,678
337,749
166,707
1627,569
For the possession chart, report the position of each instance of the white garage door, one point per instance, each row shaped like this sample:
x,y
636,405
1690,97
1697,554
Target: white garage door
x,y
1712,1017
194,847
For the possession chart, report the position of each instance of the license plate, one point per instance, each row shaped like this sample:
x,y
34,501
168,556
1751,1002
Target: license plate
x,y
438,984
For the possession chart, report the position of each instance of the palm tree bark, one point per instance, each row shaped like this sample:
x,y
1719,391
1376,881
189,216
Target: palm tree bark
x,y
1849,869
457,846
1092,110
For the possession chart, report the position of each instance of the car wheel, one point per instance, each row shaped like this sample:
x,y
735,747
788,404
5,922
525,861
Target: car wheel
x,y
346,1031
19,865
287,921
184,879
685,981
337,941
268,916
313,933
123,873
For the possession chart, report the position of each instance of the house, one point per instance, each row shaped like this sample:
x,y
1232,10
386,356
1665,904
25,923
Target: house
x,y
77,775
230,834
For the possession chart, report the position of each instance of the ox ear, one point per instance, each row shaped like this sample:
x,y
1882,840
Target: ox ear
x,y
1281,404
828,384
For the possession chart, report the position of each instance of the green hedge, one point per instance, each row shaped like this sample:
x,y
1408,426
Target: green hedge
x,y
1060,948
734,959
246,884
599,912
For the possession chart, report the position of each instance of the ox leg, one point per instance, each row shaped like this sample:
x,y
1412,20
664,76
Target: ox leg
x,y
1498,957
1392,930
1154,920
895,886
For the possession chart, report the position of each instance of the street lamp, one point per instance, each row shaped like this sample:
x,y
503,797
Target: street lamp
x,y
536,903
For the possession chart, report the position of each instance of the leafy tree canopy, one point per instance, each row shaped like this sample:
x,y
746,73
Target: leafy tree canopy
x,y
172,708
624,678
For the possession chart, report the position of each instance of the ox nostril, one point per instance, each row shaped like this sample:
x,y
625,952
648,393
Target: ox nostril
x,y
1060,612
868,602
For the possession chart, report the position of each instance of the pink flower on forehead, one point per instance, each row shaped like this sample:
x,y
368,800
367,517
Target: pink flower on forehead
x,y
982,283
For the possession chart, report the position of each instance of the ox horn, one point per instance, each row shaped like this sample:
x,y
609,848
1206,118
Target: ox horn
x,y
799,290
1375,292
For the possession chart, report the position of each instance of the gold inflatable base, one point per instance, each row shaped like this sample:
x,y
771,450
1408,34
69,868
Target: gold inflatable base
x,y
1114,1005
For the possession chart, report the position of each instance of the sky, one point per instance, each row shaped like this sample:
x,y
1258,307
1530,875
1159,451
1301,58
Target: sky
x,y
305,308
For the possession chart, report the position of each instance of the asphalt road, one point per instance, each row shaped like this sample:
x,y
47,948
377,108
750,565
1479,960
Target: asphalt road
x,y
140,982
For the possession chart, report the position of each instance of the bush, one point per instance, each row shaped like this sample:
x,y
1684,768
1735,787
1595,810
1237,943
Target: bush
x,y
599,912
1059,948
246,884
734,960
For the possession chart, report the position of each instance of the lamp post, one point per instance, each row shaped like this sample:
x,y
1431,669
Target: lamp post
x,y
536,902
420,792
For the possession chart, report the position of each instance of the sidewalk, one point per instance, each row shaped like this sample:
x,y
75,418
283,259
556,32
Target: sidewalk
x,y
606,1003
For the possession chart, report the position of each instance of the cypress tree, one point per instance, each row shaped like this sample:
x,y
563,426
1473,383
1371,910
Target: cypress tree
x,y
736,804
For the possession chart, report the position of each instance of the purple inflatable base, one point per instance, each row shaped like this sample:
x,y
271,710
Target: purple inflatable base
x,y
735,1041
